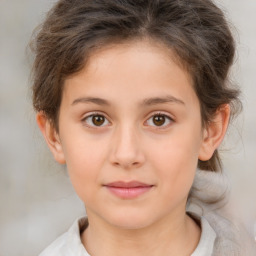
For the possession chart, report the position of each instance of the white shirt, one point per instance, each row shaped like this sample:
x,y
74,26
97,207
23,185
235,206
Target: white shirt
x,y
69,244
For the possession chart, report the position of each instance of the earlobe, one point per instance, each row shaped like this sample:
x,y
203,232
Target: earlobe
x,y
51,137
214,133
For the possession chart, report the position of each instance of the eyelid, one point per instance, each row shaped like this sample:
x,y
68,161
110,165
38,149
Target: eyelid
x,y
160,113
95,113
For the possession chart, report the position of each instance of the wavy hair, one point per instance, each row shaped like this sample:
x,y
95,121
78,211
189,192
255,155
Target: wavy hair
x,y
195,30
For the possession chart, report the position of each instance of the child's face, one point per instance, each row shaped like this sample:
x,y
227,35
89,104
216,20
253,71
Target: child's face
x,y
131,115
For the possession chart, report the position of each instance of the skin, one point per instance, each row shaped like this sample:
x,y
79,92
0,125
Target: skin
x,y
134,82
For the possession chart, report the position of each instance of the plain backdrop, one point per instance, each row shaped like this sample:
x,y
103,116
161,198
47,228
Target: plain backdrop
x,y
37,202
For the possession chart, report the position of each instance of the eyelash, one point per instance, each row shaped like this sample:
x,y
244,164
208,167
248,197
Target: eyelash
x,y
165,116
96,114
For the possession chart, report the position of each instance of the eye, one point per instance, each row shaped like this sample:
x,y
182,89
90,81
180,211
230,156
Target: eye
x,y
159,120
96,120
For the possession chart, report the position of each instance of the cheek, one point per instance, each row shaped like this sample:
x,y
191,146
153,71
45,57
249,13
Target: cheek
x,y
175,161
83,151
84,159
179,151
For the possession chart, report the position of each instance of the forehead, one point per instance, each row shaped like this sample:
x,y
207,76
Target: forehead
x,y
142,50
135,69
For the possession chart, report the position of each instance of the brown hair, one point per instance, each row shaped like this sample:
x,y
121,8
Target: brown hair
x,y
196,30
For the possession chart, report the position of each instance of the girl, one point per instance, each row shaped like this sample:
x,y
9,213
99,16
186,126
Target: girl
x,y
133,97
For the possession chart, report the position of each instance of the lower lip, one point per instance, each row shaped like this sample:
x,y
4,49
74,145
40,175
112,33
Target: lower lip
x,y
129,193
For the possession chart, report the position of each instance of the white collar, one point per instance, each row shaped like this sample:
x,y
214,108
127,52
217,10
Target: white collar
x,y
69,244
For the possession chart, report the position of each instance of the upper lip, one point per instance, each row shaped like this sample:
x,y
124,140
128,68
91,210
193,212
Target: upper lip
x,y
129,184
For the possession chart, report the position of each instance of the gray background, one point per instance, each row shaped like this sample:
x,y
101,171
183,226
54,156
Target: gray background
x,y
37,202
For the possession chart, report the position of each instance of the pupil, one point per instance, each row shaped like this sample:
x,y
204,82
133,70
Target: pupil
x,y
98,120
159,120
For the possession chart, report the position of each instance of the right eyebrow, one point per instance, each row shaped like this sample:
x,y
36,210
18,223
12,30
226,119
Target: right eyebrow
x,y
98,101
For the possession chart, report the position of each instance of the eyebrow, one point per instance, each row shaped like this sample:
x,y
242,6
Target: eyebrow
x,y
161,100
97,101
145,102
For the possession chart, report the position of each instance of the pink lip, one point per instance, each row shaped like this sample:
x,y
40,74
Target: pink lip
x,y
128,190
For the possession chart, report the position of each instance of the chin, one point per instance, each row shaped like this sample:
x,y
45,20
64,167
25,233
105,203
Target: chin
x,y
130,220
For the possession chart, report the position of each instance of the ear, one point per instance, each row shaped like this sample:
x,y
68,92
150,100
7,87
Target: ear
x,y
51,137
214,133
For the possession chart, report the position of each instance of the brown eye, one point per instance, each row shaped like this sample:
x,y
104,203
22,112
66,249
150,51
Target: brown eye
x,y
96,120
159,120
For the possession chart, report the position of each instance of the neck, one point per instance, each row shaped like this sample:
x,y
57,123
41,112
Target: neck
x,y
179,237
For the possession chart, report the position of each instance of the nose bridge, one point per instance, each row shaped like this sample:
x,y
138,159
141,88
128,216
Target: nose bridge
x,y
126,148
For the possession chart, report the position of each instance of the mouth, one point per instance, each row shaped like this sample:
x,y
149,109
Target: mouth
x,y
128,190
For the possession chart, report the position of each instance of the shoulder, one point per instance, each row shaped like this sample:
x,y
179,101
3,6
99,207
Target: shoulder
x,y
68,244
209,198
232,237
56,248
207,239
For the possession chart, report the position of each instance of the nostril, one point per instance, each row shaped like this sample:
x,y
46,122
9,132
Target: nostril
x,y
116,163
127,165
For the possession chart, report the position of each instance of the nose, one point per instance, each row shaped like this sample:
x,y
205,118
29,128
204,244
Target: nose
x,y
127,150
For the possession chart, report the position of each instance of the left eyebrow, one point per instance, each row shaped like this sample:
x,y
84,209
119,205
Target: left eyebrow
x,y
161,100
